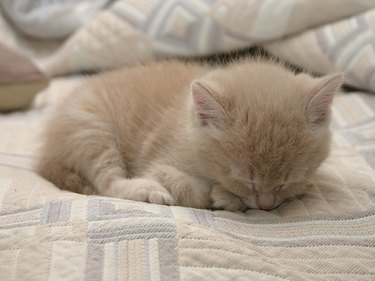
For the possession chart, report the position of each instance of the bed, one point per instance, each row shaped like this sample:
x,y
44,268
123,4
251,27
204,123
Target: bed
x,y
326,234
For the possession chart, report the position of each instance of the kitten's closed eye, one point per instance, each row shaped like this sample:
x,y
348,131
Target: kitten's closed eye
x,y
249,184
279,187
243,178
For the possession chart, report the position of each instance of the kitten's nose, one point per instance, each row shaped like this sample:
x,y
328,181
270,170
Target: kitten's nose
x,y
265,201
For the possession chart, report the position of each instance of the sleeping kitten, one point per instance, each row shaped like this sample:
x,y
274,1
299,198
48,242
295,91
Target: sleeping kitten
x,y
250,134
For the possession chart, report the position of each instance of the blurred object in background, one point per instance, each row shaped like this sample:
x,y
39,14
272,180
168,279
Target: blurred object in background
x,y
50,19
30,24
20,80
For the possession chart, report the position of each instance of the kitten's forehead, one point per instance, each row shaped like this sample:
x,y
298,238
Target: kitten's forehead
x,y
280,156
272,150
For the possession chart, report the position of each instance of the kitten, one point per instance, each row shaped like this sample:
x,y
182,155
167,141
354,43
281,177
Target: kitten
x,y
250,134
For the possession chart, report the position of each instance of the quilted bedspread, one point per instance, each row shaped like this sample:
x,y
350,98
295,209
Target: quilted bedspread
x,y
73,35
327,234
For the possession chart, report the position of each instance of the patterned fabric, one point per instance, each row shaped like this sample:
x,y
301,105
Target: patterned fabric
x,y
50,19
345,45
320,35
328,234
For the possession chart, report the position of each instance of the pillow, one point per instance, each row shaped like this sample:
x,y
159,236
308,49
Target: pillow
x,y
20,80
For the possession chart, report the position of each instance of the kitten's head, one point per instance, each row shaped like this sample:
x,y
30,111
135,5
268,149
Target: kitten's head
x,y
262,131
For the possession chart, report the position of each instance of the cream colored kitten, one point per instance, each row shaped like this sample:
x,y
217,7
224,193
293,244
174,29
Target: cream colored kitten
x,y
250,134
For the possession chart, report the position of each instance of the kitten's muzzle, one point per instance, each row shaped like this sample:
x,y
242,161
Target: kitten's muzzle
x,y
265,200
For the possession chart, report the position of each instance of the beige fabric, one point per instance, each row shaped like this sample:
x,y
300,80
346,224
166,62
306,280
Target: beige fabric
x,y
320,35
48,234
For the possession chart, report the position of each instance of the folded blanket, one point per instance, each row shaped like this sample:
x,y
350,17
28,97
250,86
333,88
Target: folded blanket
x,y
320,35
50,19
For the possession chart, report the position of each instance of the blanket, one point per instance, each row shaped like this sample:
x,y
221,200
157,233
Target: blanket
x,y
50,234
74,35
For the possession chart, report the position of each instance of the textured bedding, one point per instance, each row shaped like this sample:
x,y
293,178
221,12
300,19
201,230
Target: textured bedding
x,y
327,234
74,35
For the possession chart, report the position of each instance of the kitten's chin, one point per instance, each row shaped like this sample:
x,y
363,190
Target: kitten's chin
x,y
253,205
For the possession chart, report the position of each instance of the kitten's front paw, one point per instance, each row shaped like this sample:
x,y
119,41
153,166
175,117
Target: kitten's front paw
x,y
142,190
224,200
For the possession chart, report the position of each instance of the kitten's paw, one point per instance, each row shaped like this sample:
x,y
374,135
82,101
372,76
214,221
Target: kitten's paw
x,y
224,200
188,191
142,190
161,197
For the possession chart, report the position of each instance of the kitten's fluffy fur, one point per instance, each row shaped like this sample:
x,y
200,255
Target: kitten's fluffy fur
x,y
246,135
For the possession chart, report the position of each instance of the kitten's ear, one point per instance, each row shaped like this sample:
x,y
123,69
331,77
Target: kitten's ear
x,y
322,96
208,109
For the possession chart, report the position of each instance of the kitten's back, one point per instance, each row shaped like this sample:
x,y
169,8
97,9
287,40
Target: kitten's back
x,y
126,105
